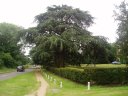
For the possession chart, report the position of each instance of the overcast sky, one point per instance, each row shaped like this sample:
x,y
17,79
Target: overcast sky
x,y
22,13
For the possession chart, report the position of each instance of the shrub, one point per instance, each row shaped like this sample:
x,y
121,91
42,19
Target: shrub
x,y
107,75
8,60
72,74
28,65
100,76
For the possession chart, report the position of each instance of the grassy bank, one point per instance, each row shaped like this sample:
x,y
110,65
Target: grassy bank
x,y
19,85
73,89
6,70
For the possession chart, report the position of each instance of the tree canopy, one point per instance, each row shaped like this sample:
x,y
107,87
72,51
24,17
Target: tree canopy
x,y
122,43
62,37
10,54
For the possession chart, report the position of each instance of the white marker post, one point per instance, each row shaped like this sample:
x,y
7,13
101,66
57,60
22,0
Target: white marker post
x,y
88,85
51,79
45,74
48,76
61,84
54,81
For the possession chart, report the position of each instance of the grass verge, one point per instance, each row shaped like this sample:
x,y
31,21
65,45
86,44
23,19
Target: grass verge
x,y
19,85
73,89
6,70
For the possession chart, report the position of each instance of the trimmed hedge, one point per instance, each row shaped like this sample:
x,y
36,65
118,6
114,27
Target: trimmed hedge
x,y
108,75
99,76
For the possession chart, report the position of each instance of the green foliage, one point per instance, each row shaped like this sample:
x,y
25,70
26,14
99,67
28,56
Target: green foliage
x,y
100,76
75,89
122,42
96,50
6,28
107,75
62,32
8,60
1,63
10,52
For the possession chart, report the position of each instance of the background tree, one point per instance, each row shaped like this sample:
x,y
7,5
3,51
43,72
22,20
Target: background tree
x,y
97,51
122,42
10,54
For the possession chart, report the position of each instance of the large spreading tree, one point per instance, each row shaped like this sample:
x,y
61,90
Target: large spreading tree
x,y
61,29
61,37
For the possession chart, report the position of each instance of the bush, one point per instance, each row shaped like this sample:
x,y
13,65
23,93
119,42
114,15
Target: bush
x,y
72,74
27,66
8,60
100,76
107,75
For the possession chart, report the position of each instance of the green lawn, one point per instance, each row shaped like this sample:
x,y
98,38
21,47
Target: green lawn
x,y
19,85
73,89
6,70
83,66
105,65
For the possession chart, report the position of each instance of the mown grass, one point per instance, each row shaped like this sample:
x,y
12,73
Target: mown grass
x,y
84,66
19,85
6,70
104,65
74,89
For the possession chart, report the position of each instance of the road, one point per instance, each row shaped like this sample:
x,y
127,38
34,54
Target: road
x,y
13,74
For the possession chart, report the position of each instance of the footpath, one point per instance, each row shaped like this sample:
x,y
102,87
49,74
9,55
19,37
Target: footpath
x,y
43,85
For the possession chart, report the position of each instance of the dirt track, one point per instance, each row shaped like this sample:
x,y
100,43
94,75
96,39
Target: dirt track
x,y
43,85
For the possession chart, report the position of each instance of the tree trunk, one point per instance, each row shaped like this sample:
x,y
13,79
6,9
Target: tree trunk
x,y
59,59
